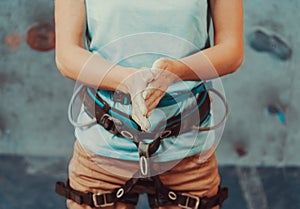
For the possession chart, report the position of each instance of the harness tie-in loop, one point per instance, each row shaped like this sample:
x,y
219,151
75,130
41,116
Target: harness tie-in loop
x,y
144,160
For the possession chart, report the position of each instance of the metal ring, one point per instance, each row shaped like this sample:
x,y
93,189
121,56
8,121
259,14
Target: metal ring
x,y
143,165
172,195
165,134
120,193
127,134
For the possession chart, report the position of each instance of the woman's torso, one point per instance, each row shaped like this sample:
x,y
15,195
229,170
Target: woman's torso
x,y
134,33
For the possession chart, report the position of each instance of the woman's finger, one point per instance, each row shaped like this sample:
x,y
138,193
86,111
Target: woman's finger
x,y
153,101
140,103
139,112
152,107
153,87
157,95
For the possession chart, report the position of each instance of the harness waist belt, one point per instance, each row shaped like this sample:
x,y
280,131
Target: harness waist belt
x,y
122,124
167,100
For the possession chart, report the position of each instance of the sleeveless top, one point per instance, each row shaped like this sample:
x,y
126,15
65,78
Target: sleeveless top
x,y
134,33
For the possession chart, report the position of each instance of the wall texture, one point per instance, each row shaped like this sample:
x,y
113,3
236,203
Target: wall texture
x,y
263,127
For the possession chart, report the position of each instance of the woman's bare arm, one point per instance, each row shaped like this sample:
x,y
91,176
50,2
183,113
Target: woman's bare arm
x,y
221,59
72,59
225,56
77,63
228,51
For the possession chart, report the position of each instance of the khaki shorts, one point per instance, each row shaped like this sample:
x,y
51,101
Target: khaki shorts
x,y
89,172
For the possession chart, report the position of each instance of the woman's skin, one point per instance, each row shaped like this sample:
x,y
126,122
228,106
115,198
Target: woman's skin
x,y
72,58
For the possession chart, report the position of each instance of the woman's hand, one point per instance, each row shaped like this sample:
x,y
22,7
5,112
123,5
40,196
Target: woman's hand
x,y
135,84
162,78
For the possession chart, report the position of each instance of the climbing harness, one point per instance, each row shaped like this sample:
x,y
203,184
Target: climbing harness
x,y
121,124
160,195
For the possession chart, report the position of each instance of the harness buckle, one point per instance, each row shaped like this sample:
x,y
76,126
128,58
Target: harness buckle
x,y
105,203
121,97
107,121
190,200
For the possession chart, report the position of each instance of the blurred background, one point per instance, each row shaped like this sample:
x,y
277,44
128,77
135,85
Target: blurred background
x,y
259,155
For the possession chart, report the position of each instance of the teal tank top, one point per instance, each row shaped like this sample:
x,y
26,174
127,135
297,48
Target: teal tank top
x,y
134,33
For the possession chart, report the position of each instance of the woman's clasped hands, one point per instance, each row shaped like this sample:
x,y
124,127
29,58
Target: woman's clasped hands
x,y
146,88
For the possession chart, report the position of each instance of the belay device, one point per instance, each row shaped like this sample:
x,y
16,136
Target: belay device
x,y
121,124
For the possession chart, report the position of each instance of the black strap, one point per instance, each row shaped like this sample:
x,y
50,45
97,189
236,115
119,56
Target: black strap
x,y
165,196
187,201
190,201
158,195
96,199
218,199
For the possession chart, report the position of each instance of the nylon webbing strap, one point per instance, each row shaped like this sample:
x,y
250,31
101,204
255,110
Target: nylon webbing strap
x,y
165,196
98,199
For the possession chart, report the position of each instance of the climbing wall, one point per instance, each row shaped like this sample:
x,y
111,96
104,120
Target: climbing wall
x,y
34,95
263,128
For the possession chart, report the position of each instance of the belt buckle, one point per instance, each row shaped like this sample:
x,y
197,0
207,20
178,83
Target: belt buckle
x,y
188,198
118,97
106,117
121,97
105,203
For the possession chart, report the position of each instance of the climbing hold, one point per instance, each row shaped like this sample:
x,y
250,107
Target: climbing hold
x,y
261,41
281,117
277,110
41,36
14,41
273,109
240,150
